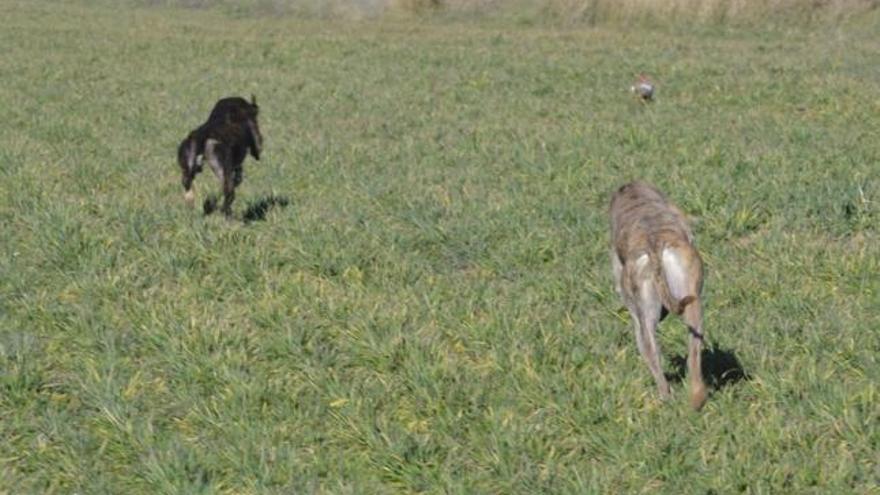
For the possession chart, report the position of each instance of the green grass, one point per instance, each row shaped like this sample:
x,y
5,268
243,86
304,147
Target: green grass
x,y
433,310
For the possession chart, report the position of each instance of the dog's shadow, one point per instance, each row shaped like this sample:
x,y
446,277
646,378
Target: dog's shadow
x,y
721,368
210,204
255,211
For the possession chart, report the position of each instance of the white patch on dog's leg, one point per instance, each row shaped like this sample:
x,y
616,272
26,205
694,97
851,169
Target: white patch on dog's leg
x,y
649,312
190,198
675,274
617,272
213,161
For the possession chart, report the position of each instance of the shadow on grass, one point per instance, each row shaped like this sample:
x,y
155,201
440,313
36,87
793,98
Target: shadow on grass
x,y
720,368
210,204
257,210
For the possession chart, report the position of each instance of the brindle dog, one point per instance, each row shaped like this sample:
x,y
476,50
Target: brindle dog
x,y
224,141
657,269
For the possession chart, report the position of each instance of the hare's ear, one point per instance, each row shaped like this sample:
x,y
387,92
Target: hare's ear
x,y
254,100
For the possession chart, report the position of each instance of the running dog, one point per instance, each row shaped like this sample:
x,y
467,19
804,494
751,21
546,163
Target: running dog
x,y
224,141
657,270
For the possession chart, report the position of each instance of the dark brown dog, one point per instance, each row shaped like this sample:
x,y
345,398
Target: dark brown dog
x,y
656,268
224,141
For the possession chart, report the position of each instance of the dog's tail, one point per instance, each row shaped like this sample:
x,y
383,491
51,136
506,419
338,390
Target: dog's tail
x,y
677,307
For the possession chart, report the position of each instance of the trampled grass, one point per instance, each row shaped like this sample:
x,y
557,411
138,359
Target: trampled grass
x,y
420,299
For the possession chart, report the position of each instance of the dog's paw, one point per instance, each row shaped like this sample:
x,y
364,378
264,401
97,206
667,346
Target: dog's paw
x,y
698,397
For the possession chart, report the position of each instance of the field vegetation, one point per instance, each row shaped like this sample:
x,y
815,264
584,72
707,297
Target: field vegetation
x,y
415,293
626,12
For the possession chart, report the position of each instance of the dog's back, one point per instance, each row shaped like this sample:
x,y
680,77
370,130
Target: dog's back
x,y
234,109
232,119
645,224
643,221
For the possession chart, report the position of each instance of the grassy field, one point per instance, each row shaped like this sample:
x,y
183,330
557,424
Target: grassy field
x,y
432,309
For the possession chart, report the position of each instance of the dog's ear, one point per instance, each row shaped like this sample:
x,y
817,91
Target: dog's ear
x,y
255,139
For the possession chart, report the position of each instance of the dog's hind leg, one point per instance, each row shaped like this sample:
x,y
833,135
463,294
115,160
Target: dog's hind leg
x,y
647,316
617,273
228,192
189,167
212,156
215,155
683,271
693,318
189,194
